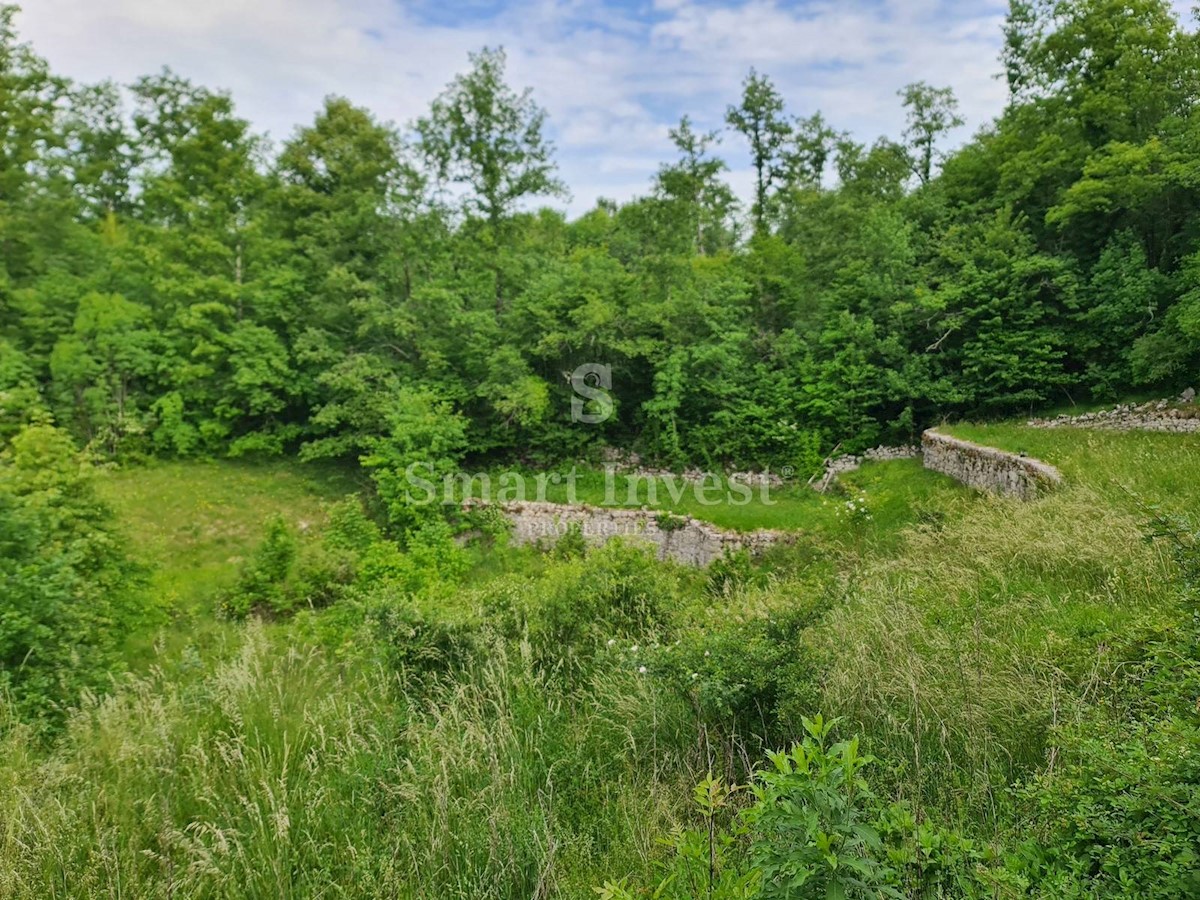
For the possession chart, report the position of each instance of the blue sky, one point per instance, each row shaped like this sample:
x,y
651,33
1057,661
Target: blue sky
x,y
614,75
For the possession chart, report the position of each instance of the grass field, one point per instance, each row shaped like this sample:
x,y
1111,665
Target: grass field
x,y
1125,468
194,522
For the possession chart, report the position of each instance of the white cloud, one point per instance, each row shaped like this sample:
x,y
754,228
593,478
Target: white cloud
x,y
612,80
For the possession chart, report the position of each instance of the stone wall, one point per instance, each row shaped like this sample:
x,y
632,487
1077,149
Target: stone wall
x,y
1177,416
986,468
680,538
839,465
630,464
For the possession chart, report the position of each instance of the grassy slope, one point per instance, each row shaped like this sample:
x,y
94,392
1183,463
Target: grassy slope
x,y
992,620
194,522
1159,468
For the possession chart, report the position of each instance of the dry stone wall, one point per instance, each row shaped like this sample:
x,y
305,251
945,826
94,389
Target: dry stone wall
x,y
839,465
1180,417
986,468
681,538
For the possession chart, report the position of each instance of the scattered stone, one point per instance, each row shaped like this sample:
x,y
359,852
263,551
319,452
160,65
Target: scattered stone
x,y
1177,416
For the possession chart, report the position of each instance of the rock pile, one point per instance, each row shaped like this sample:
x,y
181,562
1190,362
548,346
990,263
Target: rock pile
x,y
1180,416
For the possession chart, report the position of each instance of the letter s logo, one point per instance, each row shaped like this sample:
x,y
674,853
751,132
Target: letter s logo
x,y
591,381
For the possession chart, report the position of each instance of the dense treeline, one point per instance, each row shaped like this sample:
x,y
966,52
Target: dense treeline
x,y
172,284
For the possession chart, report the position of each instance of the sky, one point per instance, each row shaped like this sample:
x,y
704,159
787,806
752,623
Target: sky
x,y
613,75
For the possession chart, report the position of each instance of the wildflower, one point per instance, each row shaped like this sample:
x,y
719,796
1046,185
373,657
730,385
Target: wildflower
x,y
695,675
612,642
642,670
633,649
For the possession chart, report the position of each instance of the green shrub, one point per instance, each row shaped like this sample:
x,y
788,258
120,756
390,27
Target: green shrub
x,y
261,583
1119,816
617,592
69,593
813,823
747,680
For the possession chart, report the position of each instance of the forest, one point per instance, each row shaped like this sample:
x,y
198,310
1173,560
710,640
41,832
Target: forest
x,y
237,658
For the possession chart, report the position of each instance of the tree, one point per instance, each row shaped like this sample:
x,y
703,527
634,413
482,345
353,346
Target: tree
x,y
932,113
98,366
760,119
694,185
813,144
101,152
29,96
482,134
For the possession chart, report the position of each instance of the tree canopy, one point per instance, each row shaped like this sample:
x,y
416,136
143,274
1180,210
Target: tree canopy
x,y
172,285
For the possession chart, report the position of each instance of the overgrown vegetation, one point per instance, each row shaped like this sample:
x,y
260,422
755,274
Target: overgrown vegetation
x,y
1014,687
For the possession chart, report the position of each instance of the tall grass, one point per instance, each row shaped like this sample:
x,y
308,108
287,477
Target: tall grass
x,y
953,637
955,657
278,774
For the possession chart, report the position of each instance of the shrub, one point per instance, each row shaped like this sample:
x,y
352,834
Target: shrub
x,y
70,593
260,586
747,680
1119,816
813,823
617,591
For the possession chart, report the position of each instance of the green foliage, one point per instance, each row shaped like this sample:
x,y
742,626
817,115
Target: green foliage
x,y
701,863
812,822
1119,816
261,583
71,594
615,593
747,681
426,441
423,716
178,288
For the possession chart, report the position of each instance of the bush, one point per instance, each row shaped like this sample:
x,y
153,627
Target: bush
x,y
748,680
815,829
70,593
813,823
617,592
260,585
1119,817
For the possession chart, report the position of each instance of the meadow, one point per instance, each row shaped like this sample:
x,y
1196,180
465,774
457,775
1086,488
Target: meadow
x,y
493,722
